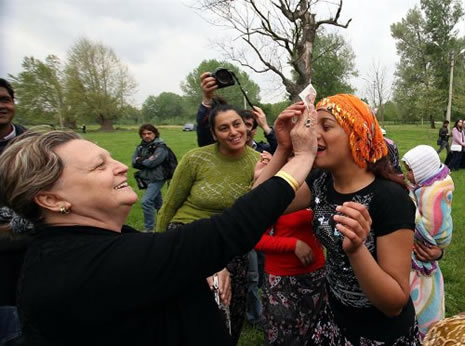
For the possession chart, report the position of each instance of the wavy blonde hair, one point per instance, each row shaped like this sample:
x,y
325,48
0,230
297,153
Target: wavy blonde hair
x,y
30,165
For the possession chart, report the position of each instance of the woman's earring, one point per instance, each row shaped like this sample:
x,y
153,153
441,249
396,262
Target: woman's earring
x,y
64,211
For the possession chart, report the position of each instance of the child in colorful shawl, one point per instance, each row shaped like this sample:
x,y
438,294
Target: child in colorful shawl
x,y
431,190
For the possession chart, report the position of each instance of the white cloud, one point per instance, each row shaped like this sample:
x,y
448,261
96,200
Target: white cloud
x,y
162,41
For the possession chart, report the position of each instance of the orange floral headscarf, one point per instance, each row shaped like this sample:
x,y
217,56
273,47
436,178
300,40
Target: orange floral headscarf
x,y
358,121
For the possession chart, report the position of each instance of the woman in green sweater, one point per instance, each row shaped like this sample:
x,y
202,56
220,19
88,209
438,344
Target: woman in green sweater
x,y
207,181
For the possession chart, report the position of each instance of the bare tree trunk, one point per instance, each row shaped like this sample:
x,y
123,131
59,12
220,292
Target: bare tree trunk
x,y
107,125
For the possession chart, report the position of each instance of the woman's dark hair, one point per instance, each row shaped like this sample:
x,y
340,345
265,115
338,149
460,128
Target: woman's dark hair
x,y
456,122
219,109
383,169
218,100
149,127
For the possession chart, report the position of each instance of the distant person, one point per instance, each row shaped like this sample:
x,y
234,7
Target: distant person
x,y
84,128
458,142
13,229
431,188
8,130
147,158
206,182
443,140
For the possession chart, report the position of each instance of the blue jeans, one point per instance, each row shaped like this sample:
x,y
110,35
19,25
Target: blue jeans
x,y
254,304
152,200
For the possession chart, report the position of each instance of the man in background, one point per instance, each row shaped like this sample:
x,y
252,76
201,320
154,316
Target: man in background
x,y
148,157
443,140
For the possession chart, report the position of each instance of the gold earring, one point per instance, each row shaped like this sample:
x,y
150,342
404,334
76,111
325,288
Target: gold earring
x,y
64,210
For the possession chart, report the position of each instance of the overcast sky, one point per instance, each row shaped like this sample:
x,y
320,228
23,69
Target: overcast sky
x,y
161,41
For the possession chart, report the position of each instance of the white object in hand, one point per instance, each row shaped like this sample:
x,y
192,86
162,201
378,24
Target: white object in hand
x,y
308,95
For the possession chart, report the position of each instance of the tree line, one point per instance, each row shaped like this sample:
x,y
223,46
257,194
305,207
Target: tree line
x,y
94,86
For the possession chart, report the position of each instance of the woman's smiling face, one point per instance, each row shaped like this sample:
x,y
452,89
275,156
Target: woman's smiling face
x,y
230,132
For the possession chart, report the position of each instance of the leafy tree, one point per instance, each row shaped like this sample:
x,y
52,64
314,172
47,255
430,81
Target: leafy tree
x,y
193,92
332,56
278,33
424,40
272,110
390,111
165,106
130,115
40,92
98,84
149,109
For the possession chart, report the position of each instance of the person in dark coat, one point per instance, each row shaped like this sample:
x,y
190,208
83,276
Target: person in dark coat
x,y
87,279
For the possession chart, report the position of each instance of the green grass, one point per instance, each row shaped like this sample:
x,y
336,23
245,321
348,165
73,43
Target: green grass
x,y
123,143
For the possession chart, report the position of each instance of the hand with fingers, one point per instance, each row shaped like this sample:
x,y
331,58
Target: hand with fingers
x,y
354,223
260,117
427,253
265,158
303,252
285,122
208,85
224,285
303,134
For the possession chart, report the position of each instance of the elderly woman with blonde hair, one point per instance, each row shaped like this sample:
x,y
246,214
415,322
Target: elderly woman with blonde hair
x,y
87,279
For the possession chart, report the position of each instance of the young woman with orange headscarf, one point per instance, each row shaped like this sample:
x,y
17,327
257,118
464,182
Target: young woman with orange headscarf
x,y
365,219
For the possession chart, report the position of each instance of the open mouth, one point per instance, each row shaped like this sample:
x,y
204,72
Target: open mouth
x,y
121,186
321,148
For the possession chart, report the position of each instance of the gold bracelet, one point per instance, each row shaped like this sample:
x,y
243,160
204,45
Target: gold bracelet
x,y
289,178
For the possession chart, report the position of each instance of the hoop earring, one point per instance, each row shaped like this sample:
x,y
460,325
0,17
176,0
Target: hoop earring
x,y
64,211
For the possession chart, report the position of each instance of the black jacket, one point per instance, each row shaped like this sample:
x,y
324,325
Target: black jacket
x,y
89,286
151,156
19,130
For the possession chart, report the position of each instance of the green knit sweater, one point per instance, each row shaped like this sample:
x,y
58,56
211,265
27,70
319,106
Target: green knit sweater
x,y
205,183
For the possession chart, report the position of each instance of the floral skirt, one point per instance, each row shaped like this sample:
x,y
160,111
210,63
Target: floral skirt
x,y
291,305
329,333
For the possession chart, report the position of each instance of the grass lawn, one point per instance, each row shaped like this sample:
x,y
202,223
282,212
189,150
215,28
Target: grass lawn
x,y
123,143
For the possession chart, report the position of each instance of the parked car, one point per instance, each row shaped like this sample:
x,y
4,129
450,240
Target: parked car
x,y
189,127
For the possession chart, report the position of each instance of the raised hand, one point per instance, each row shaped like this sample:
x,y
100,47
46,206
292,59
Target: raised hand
x,y
208,85
260,116
284,124
303,134
354,224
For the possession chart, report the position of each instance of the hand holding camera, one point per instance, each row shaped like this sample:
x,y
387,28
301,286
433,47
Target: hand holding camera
x,y
208,85
220,78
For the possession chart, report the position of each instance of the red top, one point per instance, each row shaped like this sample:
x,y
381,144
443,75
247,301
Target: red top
x,y
278,244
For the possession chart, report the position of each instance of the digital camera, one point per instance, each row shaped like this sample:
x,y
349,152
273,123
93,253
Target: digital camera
x,y
223,77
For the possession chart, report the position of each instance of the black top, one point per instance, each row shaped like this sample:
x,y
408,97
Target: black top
x,y
19,130
444,133
89,286
391,209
